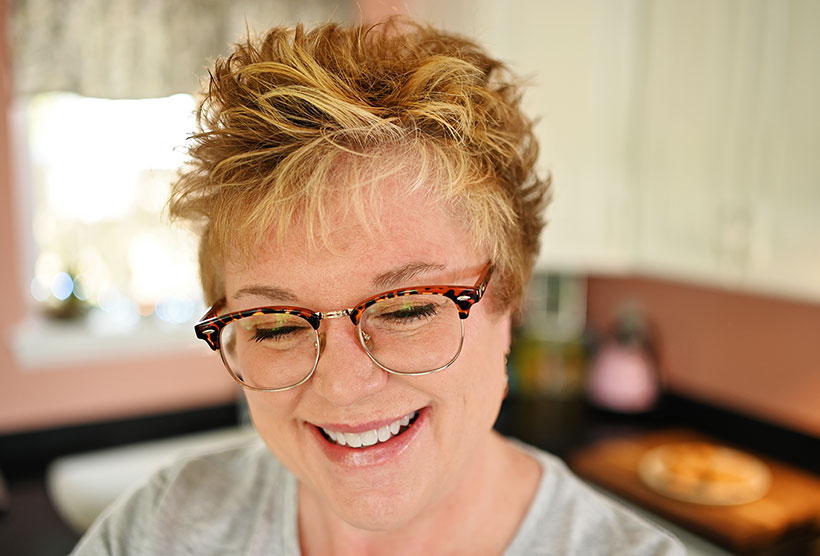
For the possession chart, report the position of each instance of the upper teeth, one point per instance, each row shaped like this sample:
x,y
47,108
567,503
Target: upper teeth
x,y
371,437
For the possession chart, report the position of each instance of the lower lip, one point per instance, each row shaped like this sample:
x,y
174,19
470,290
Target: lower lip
x,y
379,453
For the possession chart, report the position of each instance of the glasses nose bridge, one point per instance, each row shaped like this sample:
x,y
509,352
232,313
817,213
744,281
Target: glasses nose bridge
x,y
331,315
335,314
339,314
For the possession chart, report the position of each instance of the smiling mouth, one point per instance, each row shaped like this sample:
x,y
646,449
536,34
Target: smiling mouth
x,y
371,437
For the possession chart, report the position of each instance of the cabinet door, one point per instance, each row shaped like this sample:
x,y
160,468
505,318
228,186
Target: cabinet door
x,y
578,59
728,145
690,218
785,247
683,137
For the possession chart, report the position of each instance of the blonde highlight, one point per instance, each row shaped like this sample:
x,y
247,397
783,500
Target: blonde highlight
x,y
285,111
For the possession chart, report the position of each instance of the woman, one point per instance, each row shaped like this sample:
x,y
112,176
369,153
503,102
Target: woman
x,y
369,217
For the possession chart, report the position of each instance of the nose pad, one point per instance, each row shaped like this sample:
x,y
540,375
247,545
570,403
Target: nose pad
x,y
366,339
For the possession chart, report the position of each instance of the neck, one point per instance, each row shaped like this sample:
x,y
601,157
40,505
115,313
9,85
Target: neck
x,y
478,515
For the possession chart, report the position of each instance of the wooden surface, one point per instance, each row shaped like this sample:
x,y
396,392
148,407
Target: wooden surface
x,y
791,508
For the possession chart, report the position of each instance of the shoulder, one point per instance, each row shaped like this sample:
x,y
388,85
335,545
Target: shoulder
x,y
210,503
568,517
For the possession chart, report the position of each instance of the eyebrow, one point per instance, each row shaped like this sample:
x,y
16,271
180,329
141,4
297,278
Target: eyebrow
x,y
404,273
384,280
270,292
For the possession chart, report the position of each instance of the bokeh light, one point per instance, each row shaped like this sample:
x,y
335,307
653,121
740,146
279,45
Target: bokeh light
x,y
39,291
62,286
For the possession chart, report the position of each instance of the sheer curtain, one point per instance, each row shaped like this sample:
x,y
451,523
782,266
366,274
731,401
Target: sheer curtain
x,y
138,48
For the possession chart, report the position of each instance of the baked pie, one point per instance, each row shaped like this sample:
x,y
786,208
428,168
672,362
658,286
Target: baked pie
x,y
704,473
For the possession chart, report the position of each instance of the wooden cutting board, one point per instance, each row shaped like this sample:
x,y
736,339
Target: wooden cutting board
x,y
790,509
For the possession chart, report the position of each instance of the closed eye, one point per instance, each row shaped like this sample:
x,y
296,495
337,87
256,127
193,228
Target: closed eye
x,y
278,333
410,313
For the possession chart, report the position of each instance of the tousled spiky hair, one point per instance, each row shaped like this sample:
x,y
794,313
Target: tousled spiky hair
x,y
285,113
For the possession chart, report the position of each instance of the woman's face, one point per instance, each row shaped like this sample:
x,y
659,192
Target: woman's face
x,y
384,486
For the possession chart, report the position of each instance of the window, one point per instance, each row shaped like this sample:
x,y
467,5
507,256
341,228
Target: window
x,y
100,171
99,135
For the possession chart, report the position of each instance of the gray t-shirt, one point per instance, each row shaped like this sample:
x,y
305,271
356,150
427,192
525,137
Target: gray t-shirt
x,y
242,501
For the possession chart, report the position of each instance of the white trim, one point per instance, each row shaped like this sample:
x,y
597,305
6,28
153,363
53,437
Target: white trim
x,y
39,344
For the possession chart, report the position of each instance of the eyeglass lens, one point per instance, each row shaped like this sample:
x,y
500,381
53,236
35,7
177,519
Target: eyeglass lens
x,y
409,334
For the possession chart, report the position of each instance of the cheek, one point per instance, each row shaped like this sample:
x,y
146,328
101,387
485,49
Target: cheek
x,y
490,343
272,415
483,377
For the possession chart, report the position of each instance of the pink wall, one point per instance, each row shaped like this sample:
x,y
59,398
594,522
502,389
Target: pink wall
x,y
31,399
753,354
371,11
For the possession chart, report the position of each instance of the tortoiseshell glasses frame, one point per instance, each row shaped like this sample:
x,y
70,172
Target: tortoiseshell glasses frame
x,y
210,327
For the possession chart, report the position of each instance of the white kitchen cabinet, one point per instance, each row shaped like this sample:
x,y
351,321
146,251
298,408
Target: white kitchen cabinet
x,y
581,66
728,145
683,137
785,252
578,60
682,180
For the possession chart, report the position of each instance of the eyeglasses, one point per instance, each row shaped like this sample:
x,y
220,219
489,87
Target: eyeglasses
x,y
408,331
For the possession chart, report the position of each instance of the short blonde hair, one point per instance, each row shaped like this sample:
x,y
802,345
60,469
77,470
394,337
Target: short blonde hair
x,y
284,112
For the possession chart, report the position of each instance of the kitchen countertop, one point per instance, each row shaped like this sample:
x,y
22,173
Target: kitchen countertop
x,y
561,426
565,427
557,426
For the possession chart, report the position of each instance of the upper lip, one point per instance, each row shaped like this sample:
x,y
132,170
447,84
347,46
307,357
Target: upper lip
x,y
362,427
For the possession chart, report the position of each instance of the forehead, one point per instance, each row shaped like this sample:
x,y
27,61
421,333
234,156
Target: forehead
x,y
346,253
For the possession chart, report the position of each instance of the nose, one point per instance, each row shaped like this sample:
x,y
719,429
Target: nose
x,y
345,374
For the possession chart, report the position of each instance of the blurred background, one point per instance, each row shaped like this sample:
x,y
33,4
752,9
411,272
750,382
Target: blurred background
x,y
678,282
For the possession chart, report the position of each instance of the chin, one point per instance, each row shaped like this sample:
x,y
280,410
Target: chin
x,y
378,508
376,514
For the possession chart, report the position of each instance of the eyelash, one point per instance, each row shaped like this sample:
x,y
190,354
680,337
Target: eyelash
x,y
262,334
413,313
